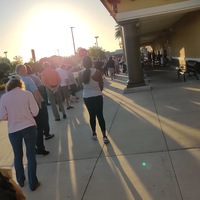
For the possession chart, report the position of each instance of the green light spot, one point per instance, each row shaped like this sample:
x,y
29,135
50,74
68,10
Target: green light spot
x,y
144,164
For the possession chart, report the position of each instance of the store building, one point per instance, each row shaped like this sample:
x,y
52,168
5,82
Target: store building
x,y
171,26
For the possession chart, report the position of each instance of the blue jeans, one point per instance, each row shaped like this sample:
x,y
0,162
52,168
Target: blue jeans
x,y
29,136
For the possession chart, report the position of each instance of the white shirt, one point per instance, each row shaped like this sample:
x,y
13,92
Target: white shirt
x,y
71,78
91,89
63,76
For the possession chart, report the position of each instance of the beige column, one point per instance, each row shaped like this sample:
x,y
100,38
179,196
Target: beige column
x,y
132,54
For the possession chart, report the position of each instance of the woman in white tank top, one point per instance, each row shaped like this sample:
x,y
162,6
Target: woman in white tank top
x,y
93,97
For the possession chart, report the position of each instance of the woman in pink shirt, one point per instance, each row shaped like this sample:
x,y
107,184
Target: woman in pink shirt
x,y
18,107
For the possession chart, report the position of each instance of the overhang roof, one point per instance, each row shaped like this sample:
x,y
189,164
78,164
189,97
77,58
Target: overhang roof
x,y
155,21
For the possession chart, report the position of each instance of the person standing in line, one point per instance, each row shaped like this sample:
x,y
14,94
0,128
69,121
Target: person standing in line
x,y
93,97
64,85
43,119
158,58
111,67
153,58
21,70
116,65
105,68
51,80
99,65
72,83
19,108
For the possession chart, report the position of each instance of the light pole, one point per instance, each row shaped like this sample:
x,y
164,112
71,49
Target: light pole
x,y
96,41
5,52
73,40
97,45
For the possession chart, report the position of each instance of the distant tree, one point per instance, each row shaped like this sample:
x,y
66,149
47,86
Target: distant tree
x,y
71,60
4,70
5,60
16,60
31,60
55,60
95,52
81,52
37,66
5,67
42,60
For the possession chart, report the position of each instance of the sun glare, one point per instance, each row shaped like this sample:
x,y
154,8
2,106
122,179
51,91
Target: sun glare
x,y
46,29
48,33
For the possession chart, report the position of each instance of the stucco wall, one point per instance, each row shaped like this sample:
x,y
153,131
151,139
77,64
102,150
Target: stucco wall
x,y
128,5
183,41
185,37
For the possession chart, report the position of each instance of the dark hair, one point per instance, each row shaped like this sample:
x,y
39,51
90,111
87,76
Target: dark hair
x,y
87,64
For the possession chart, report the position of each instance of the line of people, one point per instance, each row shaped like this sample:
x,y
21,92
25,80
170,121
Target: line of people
x,y
24,107
108,68
26,111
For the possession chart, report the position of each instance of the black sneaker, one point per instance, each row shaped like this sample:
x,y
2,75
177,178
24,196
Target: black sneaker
x,y
21,184
44,152
57,119
49,136
94,137
105,140
38,184
69,107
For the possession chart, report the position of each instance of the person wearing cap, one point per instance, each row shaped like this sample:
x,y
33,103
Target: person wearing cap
x,y
19,108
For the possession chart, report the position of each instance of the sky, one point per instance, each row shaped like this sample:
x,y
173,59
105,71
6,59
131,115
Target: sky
x,y
44,25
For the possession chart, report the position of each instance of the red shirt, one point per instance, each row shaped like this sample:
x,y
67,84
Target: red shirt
x,y
50,77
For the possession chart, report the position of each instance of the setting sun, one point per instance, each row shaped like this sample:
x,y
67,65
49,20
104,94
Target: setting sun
x,y
45,27
49,33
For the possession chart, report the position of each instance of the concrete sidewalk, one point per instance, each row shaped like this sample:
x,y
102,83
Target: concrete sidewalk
x,y
154,152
